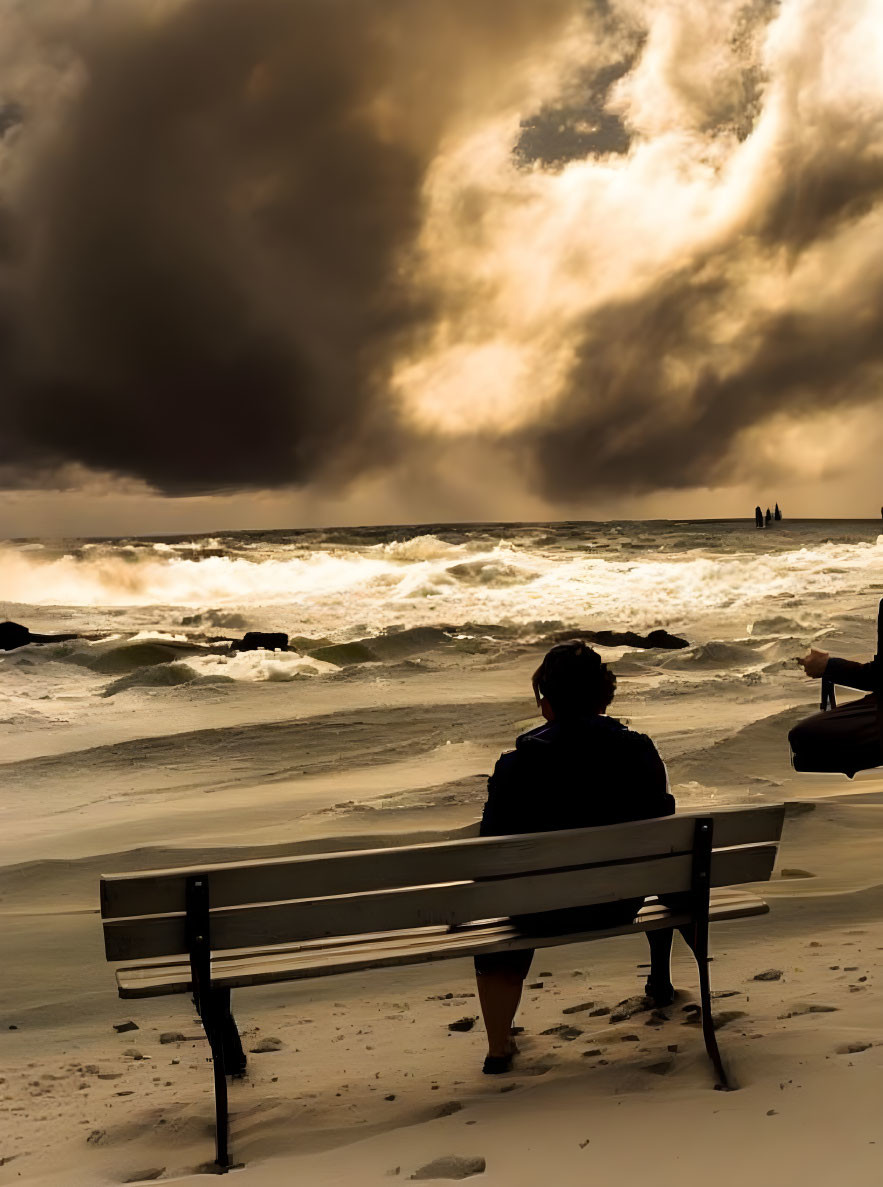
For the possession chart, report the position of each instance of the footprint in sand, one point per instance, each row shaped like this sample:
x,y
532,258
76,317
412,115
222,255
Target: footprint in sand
x,y
807,1008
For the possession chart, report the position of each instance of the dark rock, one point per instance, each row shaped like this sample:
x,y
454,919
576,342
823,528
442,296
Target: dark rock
x,y
606,638
536,985
13,635
122,1027
769,975
599,1012
171,1036
462,1024
262,641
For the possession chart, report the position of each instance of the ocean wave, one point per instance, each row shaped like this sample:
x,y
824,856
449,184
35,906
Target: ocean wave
x,y
716,653
493,573
261,666
389,647
311,590
421,548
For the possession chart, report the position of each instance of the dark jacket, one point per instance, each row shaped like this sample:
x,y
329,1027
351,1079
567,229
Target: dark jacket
x,y
850,673
589,772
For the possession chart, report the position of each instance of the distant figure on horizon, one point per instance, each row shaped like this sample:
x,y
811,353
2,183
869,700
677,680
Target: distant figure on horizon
x,y
579,770
768,518
758,517
849,738
777,515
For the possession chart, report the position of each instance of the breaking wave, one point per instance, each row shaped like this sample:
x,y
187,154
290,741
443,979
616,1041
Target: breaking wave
x,y
325,588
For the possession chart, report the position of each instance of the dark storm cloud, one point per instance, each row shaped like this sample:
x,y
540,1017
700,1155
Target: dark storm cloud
x,y
621,426
206,264
241,223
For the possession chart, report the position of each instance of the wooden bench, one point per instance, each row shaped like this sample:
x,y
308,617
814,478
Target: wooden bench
x,y
210,930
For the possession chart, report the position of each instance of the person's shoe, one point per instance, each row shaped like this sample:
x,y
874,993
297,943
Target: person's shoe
x,y
661,993
497,1065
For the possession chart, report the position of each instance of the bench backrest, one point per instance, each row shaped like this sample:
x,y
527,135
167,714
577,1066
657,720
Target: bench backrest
x,y
293,899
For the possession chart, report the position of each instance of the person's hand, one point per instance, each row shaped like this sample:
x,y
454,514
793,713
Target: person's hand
x,y
814,662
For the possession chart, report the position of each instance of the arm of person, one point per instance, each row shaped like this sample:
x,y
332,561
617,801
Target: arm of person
x,y
649,774
496,819
852,674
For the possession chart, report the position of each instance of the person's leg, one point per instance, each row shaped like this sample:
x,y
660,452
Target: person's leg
x,y
846,739
500,995
500,978
659,986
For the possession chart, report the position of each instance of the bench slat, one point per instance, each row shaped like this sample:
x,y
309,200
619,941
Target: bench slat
x,y
256,967
235,883
443,905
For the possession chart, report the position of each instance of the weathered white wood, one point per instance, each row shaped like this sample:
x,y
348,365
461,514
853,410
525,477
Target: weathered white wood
x,y
262,967
232,884
442,905
366,940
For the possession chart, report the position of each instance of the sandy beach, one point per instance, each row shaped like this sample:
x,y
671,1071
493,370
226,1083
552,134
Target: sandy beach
x,y
137,750
368,1083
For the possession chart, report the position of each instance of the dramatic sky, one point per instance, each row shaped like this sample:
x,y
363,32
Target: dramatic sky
x,y
286,261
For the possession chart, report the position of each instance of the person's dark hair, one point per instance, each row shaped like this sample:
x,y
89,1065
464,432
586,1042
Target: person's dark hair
x,y
573,680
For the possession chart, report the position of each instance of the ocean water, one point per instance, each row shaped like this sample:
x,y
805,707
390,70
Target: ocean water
x,y
361,600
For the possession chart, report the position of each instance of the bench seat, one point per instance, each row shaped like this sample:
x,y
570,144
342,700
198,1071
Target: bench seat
x,y
321,958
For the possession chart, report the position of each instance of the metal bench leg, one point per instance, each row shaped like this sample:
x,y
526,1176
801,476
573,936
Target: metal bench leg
x,y
702,849
701,953
213,1005
213,1019
234,1057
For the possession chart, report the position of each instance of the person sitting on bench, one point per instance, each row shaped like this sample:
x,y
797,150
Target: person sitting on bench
x,y
846,739
580,770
